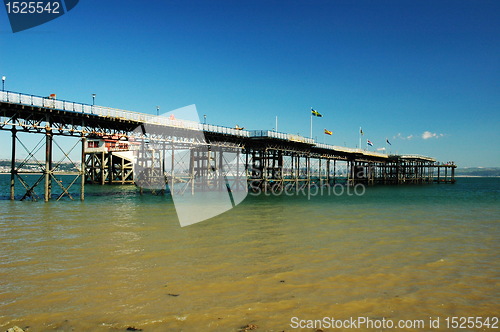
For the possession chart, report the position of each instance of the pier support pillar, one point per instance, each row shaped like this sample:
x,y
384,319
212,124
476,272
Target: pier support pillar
x,y
247,174
238,177
13,165
48,165
328,172
296,171
110,167
308,170
103,167
82,171
191,170
264,162
334,170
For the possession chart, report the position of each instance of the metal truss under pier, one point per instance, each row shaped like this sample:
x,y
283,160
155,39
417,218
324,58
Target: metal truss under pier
x,y
123,147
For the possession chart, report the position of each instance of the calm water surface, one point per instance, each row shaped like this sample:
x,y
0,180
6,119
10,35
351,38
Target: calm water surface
x,y
121,260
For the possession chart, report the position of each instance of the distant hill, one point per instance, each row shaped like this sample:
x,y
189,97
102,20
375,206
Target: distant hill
x,y
32,166
478,171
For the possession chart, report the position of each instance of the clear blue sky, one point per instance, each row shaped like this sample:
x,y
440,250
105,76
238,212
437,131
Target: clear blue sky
x,y
396,68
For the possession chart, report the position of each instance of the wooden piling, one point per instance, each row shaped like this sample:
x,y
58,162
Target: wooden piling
x,y
82,170
48,165
13,165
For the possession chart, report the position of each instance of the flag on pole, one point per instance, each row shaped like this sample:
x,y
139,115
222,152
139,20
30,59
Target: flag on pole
x,y
387,140
328,132
369,142
316,113
361,131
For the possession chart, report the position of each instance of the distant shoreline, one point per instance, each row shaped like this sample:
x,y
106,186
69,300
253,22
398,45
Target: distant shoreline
x,y
477,176
40,173
66,173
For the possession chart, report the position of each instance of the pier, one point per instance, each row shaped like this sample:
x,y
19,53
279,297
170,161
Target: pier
x,y
123,147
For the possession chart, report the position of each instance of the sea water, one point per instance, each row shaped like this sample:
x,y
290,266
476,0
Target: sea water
x,y
120,260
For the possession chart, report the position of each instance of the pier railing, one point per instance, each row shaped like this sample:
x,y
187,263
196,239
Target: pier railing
x,y
102,111
417,156
278,135
113,113
109,112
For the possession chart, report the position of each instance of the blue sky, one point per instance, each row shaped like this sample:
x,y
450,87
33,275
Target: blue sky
x,y
398,69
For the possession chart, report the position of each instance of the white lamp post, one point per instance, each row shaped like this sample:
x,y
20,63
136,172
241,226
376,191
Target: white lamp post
x,y
93,102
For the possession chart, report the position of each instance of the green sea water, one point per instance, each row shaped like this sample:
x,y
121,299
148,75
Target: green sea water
x,y
120,260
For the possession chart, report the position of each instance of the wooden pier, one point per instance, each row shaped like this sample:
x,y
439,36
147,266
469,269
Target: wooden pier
x,y
123,147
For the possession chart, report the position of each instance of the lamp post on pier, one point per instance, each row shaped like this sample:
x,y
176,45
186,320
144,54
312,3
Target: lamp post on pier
x,y
3,83
93,102
157,110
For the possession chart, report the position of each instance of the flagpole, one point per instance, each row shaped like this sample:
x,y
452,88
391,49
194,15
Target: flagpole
x,y
360,139
311,124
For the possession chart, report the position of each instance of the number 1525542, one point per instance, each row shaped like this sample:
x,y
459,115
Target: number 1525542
x,y
33,7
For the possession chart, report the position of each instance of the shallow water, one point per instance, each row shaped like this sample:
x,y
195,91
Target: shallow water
x,y
120,260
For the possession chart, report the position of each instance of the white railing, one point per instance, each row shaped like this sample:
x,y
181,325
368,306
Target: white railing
x,y
375,154
298,138
108,112
337,148
278,135
350,150
268,134
417,156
